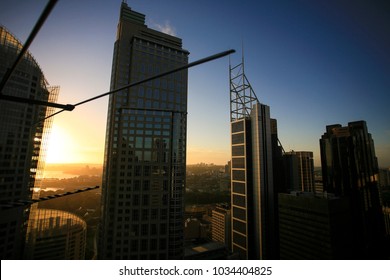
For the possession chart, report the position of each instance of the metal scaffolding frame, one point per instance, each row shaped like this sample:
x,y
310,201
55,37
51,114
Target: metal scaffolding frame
x,y
242,95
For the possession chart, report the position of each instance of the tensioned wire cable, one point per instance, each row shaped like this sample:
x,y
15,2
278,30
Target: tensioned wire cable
x,y
192,64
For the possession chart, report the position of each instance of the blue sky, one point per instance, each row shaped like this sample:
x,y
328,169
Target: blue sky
x,y
314,63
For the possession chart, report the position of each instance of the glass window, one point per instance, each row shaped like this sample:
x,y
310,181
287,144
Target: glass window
x,y
238,126
238,138
138,155
238,162
239,200
238,175
146,186
139,142
141,92
238,150
145,214
239,239
137,184
156,94
239,213
148,142
163,95
135,215
147,156
239,187
145,200
136,200
149,93
239,226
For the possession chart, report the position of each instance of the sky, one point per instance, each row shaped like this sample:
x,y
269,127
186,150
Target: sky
x,y
315,63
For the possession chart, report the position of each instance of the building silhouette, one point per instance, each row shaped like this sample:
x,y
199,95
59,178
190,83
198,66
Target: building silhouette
x,y
299,171
22,141
314,227
350,169
252,187
145,152
55,235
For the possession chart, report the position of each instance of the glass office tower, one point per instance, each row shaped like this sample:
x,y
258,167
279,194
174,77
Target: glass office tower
x,y
350,169
22,141
145,153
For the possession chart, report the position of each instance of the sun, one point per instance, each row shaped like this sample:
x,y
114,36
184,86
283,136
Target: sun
x,y
60,146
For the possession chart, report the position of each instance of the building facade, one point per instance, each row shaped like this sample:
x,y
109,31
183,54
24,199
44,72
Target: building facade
x,y
299,170
55,235
22,141
350,169
252,188
145,153
221,225
313,227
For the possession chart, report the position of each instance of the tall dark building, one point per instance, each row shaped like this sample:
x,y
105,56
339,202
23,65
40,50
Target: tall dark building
x,y
252,188
145,153
350,169
22,141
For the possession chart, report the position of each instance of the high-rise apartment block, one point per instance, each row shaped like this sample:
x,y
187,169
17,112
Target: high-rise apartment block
x,y
252,188
22,141
350,169
145,153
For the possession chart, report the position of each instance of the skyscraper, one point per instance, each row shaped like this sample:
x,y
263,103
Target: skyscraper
x,y
145,153
350,169
299,171
252,189
22,141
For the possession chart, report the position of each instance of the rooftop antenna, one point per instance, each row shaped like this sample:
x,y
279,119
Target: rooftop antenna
x,y
242,52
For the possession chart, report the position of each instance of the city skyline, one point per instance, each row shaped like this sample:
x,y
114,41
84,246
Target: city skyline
x,y
314,64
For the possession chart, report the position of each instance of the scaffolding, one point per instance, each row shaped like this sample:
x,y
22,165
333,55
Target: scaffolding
x,y
242,95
